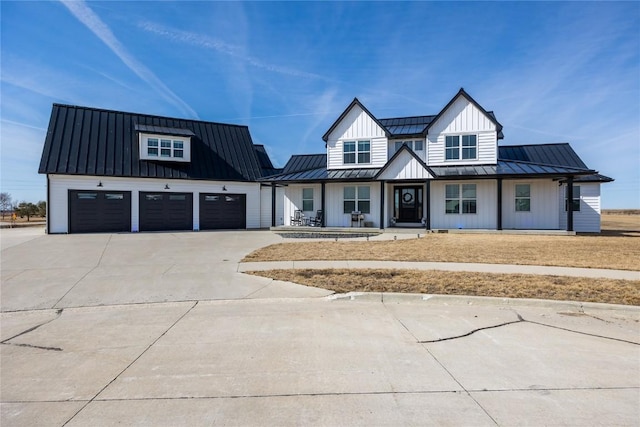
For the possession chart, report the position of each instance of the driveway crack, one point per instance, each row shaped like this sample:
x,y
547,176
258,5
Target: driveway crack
x,y
520,319
31,329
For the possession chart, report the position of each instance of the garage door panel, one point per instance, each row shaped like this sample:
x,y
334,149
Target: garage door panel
x,y
166,211
223,211
99,211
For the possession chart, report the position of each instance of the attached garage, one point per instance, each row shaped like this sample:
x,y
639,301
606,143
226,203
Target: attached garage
x,y
166,211
99,211
219,211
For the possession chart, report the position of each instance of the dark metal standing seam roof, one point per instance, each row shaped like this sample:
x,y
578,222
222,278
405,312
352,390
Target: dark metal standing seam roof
x,y
507,168
407,126
91,141
302,162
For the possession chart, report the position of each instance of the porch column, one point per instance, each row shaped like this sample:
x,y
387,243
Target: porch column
x,y
322,206
382,205
427,196
273,205
569,202
499,207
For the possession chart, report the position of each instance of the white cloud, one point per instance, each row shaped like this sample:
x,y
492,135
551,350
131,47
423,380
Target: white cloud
x,y
85,15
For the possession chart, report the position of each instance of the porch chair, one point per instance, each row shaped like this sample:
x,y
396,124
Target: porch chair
x,y
297,218
317,221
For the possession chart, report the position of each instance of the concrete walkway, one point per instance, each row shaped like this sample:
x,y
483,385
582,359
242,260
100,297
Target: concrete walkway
x,y
446,266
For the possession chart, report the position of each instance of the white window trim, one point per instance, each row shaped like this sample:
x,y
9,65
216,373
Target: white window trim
x,y
308,199
410,143
515,197
460,199
460,146
144,153
356,152
357,199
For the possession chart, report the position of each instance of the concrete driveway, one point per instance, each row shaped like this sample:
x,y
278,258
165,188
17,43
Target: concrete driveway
x,y
160,329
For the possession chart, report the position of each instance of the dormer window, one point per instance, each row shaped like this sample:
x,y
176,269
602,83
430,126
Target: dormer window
x,y
164,144
356,152
413,145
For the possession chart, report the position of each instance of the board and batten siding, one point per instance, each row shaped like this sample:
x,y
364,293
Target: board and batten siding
x,y
544,206
587,220
486,207
266,207
356,125
405,167
293,201
59,186
335,216
462,117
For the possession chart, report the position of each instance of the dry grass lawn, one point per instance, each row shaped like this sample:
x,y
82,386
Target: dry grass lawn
x,y
618,247
463,283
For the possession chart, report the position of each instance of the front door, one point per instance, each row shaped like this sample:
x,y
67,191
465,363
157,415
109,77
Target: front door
x,y
407,204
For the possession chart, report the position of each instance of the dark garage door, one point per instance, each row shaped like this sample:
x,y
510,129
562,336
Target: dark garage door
x,y
99,211
223,211
166,211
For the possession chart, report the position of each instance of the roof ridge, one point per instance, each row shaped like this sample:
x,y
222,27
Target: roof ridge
x,y
408,117
56,104
534,145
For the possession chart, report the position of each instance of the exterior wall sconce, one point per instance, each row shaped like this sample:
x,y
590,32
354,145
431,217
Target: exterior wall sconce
x,y
100,184
224,188
166,187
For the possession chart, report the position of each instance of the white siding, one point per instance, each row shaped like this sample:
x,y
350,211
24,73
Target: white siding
x,y
335,217
463,117
356,125
59,186
293,201
485,218
265,206
405,166
587,220
544,206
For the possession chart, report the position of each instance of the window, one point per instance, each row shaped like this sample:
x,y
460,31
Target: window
x,y
357,199
152,147
177,197
576,198
469,147
523,198
165,148
460,198
307,199
413,145
87,196
114,196
452,147
362,155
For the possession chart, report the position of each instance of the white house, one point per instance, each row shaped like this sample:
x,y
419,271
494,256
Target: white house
x,y
444,171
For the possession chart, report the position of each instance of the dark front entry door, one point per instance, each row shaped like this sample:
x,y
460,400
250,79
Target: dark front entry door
x,y
407,204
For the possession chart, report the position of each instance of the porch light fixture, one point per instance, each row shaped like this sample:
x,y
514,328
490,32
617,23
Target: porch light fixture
x,y
224,188
100,184
166,187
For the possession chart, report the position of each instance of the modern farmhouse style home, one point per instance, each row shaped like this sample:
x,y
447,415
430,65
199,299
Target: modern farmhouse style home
x,y
112,171
444,171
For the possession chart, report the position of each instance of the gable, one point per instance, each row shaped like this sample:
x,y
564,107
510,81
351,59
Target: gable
x,y
404,166
355,122
462,115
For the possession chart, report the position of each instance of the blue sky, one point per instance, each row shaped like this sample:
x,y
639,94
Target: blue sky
x,y
552,72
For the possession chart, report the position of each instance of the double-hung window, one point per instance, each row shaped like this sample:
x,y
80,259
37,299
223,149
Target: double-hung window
x,y
454,151
576,198
307,199
357,199
460,198
356,152
523,198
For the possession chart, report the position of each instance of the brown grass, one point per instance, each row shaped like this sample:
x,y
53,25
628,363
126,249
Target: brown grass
x,y
462,283
620,252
